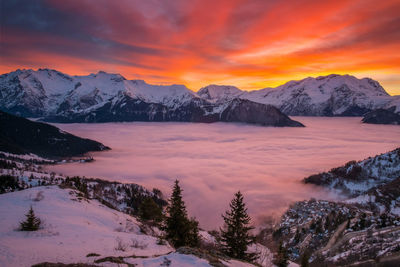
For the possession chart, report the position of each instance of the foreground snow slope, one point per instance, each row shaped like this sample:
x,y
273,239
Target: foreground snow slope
x,y
72,229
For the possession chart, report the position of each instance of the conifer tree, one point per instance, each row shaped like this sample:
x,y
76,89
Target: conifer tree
x,y
304,260
31,223
282,257
235,236
179,229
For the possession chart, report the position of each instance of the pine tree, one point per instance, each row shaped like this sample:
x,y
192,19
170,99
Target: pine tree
x,y
32,223
235,236
304,261
282,257
179,229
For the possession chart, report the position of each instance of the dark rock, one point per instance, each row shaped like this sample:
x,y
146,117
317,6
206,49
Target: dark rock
x,y
22,136
241,110
382,116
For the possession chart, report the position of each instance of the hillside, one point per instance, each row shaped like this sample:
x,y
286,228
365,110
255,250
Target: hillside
x,y
22,136
91,222
361,228
355,178
77,230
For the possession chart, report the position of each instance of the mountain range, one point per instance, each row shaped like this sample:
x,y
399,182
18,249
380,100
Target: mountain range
x,y
103,97
332,95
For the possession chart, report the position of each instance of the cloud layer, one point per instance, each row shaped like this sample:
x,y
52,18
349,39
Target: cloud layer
x,y
250,44
213,161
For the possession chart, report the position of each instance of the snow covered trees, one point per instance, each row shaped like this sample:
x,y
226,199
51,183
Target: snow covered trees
x,y
31,223
235,235
180,230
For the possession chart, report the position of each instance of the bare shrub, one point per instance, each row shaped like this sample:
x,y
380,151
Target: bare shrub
x,y
137,244
120,246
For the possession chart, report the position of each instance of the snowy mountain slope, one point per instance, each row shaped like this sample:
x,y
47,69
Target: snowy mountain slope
x,y
331,95
219,93
394,102
104,97
72,229
97,88
77,230
43,92
48,92
328,231
355,178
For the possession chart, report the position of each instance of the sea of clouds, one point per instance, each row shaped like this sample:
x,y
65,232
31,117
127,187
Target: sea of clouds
x,y
213,161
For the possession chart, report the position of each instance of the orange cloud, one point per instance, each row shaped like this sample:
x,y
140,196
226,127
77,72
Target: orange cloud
x,y
250,44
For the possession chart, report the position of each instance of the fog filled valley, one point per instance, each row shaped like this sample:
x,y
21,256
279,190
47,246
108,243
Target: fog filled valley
x,y
212,161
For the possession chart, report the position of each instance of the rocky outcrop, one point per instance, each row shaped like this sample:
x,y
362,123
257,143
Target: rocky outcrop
x,y
22,136
242,110
382,116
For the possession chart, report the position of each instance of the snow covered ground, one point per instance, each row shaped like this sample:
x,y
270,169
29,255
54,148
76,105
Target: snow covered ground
x,y
74,227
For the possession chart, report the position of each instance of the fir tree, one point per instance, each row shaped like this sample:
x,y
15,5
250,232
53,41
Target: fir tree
x,y
282,257
304,261
32,223
235,235
179,229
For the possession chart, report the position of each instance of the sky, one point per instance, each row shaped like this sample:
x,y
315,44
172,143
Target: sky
x,y
249,44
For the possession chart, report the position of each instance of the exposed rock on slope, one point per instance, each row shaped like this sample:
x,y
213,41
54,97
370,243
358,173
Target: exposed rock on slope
x,y
22,136
382,116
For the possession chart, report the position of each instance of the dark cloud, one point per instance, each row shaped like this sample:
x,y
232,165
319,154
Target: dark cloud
x,y
37,18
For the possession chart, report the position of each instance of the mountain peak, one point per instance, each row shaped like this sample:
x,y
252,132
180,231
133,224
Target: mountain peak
x,y
215,92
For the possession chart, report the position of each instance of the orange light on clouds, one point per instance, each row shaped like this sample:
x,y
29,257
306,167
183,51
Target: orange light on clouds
x,y
249,44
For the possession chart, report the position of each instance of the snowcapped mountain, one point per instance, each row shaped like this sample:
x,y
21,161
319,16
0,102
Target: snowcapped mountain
x,y
332,95
44,92
219,93
104,97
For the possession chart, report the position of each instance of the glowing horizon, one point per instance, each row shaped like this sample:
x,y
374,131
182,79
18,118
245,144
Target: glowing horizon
x,y
251,45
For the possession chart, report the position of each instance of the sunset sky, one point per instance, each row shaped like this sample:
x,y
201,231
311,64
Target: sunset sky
x,y
249,44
